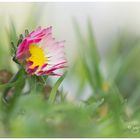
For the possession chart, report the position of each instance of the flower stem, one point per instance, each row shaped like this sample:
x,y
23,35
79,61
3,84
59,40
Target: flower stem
x,y
13,79
19,77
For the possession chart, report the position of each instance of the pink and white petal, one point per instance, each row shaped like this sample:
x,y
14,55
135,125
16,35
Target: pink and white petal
x,y
32,71
54,45
40,32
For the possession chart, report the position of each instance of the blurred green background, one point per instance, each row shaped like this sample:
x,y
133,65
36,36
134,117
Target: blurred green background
x,y
100,94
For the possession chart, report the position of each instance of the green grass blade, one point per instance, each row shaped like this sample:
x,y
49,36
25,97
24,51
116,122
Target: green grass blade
x,y
92,44
55,88
94,55
12,34
12,37
78,33
84,66
128,62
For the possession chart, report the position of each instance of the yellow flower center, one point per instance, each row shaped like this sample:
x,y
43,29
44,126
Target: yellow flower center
x,y
37,56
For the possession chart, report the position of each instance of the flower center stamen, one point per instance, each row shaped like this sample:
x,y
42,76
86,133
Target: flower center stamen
x,y
37,56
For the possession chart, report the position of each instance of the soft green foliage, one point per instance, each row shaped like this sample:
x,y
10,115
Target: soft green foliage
x,y
112,110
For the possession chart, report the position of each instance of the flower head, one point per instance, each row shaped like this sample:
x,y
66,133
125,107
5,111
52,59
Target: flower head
x,y
40,53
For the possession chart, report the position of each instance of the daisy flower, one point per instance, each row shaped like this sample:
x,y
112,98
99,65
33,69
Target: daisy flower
x,y
41,54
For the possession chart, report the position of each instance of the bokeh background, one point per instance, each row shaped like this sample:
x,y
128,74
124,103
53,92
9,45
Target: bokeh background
x,y
102,47
109,19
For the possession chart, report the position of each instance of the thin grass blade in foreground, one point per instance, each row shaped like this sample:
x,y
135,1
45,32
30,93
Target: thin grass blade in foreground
x,y
55,89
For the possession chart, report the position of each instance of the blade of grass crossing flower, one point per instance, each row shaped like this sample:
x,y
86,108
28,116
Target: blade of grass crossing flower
x,y
55,88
